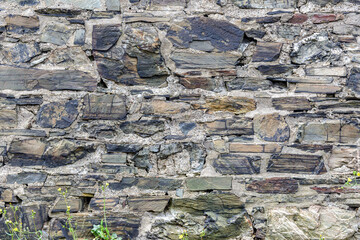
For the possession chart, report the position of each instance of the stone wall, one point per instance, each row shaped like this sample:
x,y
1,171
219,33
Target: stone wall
x,y
237,117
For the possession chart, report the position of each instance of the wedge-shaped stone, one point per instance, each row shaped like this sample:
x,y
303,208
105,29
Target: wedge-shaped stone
x,y
148,203
292,163
265,3
274,186
291,103
104,107
267,52
209,183
234,164
26,79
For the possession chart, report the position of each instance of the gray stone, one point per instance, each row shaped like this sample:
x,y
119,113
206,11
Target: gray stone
x,y
148,203
167,150
291,103
25,2
22,24
197,156
275,69
353,82
236,126
236,164
126,148
25,79
8,118
209,183
83,4
105,36
57,34
272,128
155,183
245,83
58,115
26,178
105,107
79,38
143,128
113,5
267,52
20,53
317,88
293,163
114,158
265,3
23,132
75,204
186,127
288,31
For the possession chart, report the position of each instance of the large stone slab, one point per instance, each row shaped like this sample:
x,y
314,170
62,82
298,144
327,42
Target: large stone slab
x,y
246,83
291,103
83,4
209,183
274,186
238,147
236,105
22,24
234,164
104,107
26,79
26,178
8,118
292,163
58,115
148,203
265,3
235,126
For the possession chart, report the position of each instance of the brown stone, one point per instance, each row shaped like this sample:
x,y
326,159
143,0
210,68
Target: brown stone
x,y
30,148
148,203
105,107
274,186
234,164
291,103
272,128
8,118
337,189
22,24
298,18
267,52
205,83
235,105
293,163
164,107
75,204
254,148
325,18
317,88
97,204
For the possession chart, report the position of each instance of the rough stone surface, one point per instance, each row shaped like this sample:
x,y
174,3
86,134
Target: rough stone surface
x,y
266,52
208,183
57,115
106,107
272,128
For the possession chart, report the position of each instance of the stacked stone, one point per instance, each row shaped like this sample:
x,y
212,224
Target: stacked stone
x,y
239,118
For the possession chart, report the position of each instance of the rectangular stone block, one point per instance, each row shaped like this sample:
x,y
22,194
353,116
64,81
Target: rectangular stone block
x,y
148,203
274,186
327,71
8,118
97,204
236,126
265,3
155,183
26,178
236,105
267,52
27,79
75,204
114,158
209,183
317,88
83,4
254,148
104,107
23,132
234,164
22,24
293,163
291,103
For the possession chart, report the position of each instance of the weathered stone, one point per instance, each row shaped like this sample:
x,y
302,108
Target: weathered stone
x,y
105,36
251,84
59,12
148,203
143,128
274,186
26,178
186,127
288,31
79,37
185,60
292,163
114,169
253,33
105,107
25,79
164,107
352,19
298,18
30,149
338,190
261,19
58,115
75,205
198,82
114,158
236,105
126,148
275,69
254,148
20,53
58,34
265,4
83,4
333,71
323,3
22,24
26,2
113,5
8,118
325,18
353,82
291,103
23,132
97,204
342,158
209,183
167,150
266,52
241,126
200,31
234,164
317,88
154,183
272,128
167,4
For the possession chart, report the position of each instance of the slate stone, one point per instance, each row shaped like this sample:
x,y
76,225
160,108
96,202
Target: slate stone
x,y
288,31
26,2
253,33
23,132
251,84
197,156
155,183
142,159
22,24
265,3
97,204
27,149
26,178
126,148
267,52
323,3
114,158
205,83
83,4
167,150
235,164
275,69
236,126
353,82
238,147
26,79
336,189
236,105
160,107
113,5
317,88
79,38
28,100
300,164
114,169
58,12
328,71
261,19
57,34
58,115
186,127
272,128
185,60
105,36
148,203
274,186
219,34
298,18
104,107
21,52
76,205
143,128
209,183
8,118
325,18
291,103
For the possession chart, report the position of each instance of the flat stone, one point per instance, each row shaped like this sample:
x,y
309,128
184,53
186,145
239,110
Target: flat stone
x,y
26,2
26,79
337,190
253,33
274,186
288,31
114,169
266,19
164,107
143,128
104,107
272,128
234,164
105,36
323,3
58,34
114,158
126,148
30,148
237,147
148,203
155,183
241,126
23,132
251,84
326,18
275,69
20,52
59,12
22,24
113,5
198,32
76,205
317,88
58,115
184,60
267,52
8,118
205,83
79,37
352,19
328,71
26,178
291,103
186,127
167,5
298,18
353,82
97,204
236,105
83,4
265,4
300,164
209,183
